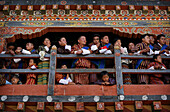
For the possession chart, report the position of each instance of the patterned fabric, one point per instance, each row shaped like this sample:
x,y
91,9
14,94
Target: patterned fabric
x,y
2,79
156,78
80,63
142,78
30,79
42,78
126,77
111,80
109,46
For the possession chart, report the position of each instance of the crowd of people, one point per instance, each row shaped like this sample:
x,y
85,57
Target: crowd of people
x,y
100,45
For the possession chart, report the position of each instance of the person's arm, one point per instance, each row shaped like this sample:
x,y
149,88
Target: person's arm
x,y
23,51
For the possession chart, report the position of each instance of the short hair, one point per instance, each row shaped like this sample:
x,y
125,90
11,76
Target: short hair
x,y
159,36
81,36
96,35
155,57
30,43
143,36
10,44
104,73
104,36
59,39
115,39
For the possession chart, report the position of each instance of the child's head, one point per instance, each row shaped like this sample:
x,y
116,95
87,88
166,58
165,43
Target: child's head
x,y
131,45
10,46
105,76
62,41
161,39
152,39
15,79
117,42
145,38
29,46
157,58
105,39
18,50
96,38
47,41
31,62
64,67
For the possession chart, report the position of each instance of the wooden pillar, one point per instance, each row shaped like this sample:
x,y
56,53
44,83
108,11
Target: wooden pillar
x,y
80,106
52,69
138,106
157,107
118,66
119,106
2,106
40,107
58,106
21,107
100,107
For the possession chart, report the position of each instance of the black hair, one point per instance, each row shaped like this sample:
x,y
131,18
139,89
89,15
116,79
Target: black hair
x,y
80,37
115,39
16,76
96,35
104,73
143,36
59,39
104,36
10,44
159,36
155,57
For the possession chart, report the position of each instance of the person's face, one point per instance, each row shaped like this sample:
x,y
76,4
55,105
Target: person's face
x,y
96,40
10,48
63,67
63,41
31,62
131,46
82,40
146,39
105,78
152,40
14,80
159,59
46,41
162,40
105,40
29,46
18,49
118,43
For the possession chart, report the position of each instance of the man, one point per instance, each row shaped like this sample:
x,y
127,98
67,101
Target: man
x,y
94,46
78,49
63,48
142,48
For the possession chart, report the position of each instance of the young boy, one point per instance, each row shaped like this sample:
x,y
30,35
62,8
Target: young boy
x,y
155,65
161,47
142,48
15,79
94,46
106,47
105,80
64,78
63,48
31,77
29,49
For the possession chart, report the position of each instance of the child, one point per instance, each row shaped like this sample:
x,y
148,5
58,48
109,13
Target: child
x,y
64,78
15,79
106,80
156,64
31,77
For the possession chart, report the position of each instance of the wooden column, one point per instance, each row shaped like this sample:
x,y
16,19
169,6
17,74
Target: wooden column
x,y
138,106
58,106
118,66
51,77
100,107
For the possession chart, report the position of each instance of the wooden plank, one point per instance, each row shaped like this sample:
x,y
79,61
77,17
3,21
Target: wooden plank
x,y
80,106
118,66
119,106
157,105
100,107
141,57
40,107
145,71
52,69
22,56
21,106
58,106
2,106
80,98
24,71
138,105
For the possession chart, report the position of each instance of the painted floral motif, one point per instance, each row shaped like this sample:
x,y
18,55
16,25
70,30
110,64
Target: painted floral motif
x,y
124,12
61,12
96,12
162,12
49,12
138,12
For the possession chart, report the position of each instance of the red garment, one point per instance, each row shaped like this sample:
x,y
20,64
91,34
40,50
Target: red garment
x,y
31,78
156,78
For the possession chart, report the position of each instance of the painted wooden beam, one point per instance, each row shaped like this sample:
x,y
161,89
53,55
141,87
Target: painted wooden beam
x,y
157,106
58,106
2,106
119,106
100,107
40,106
21,107
80,106
138,106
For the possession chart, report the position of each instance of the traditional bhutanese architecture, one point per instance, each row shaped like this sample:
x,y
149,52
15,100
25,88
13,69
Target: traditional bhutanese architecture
x,y
29,19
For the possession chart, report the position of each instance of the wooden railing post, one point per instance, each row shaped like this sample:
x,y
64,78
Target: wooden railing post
x,y
118,66
52,69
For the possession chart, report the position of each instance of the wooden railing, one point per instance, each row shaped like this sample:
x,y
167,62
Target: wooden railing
x,y
123,92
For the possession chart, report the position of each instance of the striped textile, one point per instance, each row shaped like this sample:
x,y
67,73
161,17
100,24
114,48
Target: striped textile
x,y
42,78
30,79
126,77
